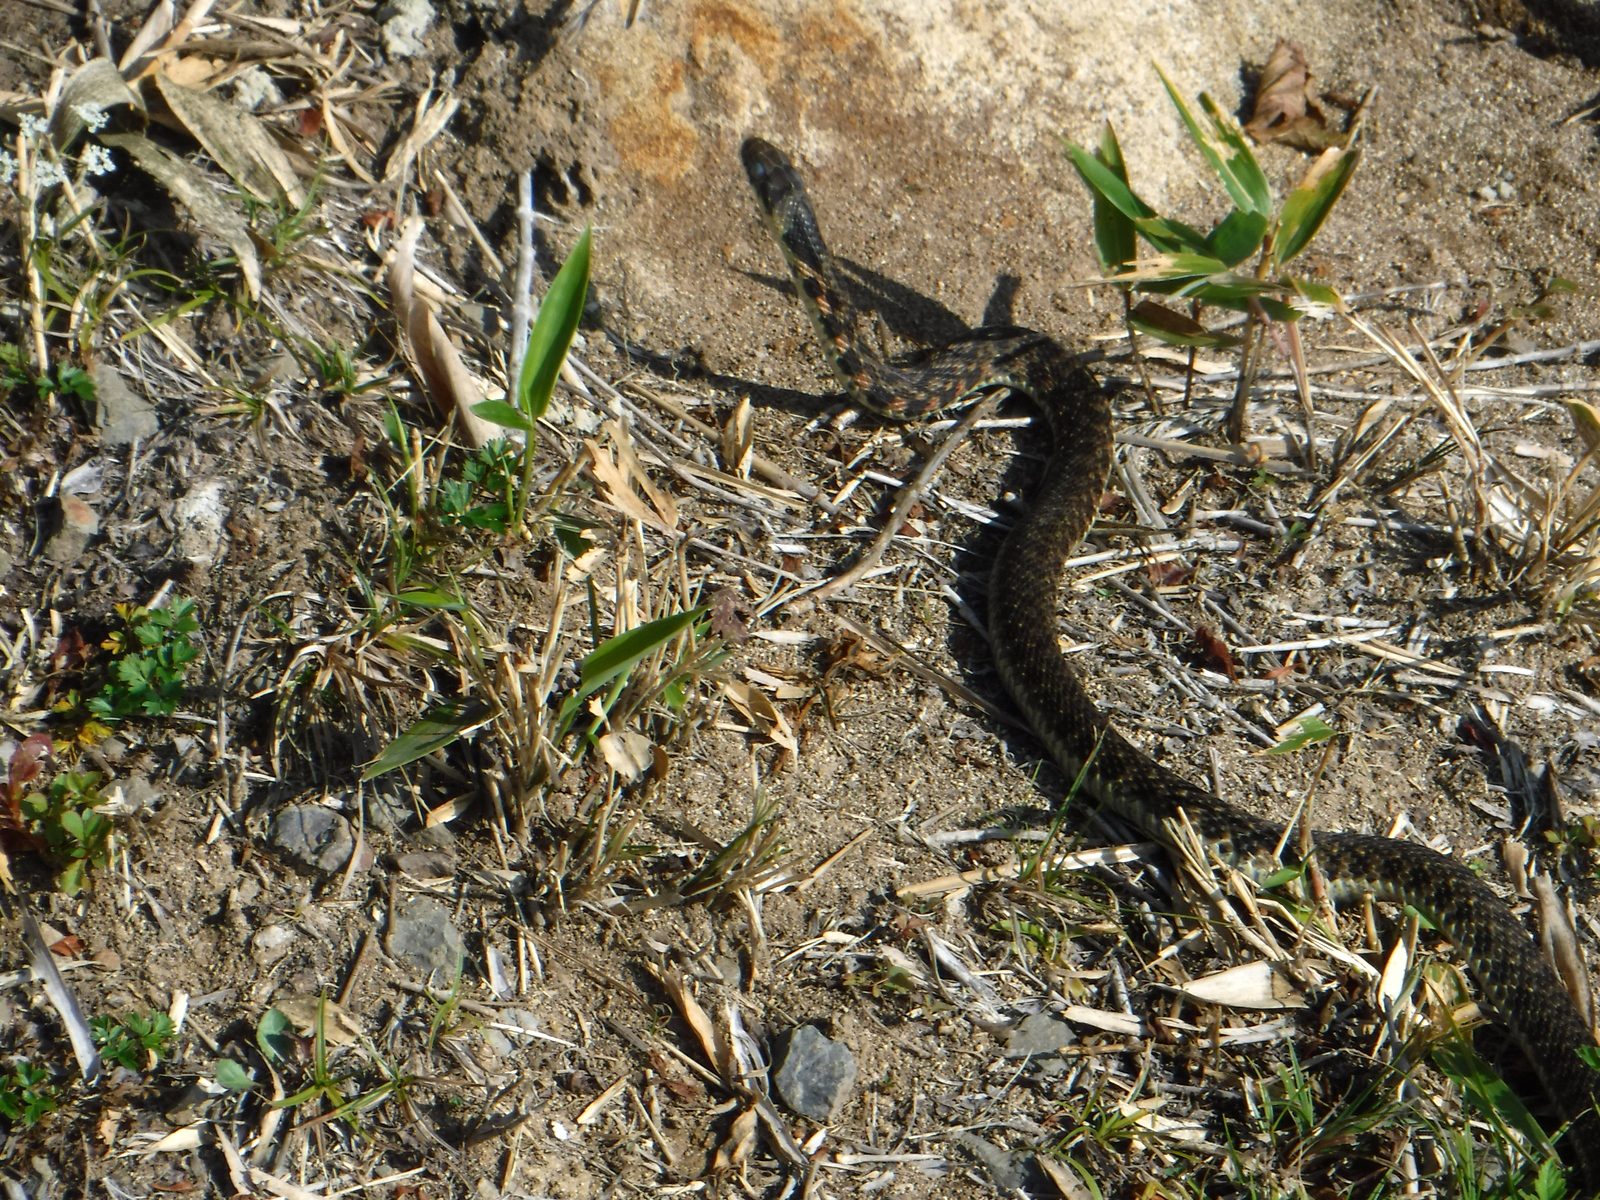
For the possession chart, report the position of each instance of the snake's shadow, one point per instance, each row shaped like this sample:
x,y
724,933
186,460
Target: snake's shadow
x,y
928,325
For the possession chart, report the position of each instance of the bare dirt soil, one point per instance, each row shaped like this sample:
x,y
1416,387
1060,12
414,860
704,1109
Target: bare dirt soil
x,y
929,135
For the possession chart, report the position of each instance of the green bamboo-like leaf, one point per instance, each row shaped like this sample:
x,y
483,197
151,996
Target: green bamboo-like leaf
x,y
615,656
1238,236
1486,1091
1225,149
1310,203
1316,293
1172,237
1115,241
552,331
1176,328
1308,731
1100,179
1239,159
503,414
434,730
1177,266
1279,310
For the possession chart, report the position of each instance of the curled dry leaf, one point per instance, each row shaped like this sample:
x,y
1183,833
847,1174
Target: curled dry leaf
x,y
616,468
1284,110
189,187
629,754
429,351
339,1028
1215,652
762,713
238,141
738,439
1254,985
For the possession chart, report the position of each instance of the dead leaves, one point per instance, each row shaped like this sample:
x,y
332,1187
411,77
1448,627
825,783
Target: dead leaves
x,y
429,350
1285,110
617,471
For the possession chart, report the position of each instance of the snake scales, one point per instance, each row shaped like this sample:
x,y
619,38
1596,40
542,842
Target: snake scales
x,y
1513,974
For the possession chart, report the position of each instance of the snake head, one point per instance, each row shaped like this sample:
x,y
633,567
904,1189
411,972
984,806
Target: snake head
x,y
770,172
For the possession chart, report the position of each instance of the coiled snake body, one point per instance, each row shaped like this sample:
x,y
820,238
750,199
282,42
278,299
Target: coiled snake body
x,y
1514,975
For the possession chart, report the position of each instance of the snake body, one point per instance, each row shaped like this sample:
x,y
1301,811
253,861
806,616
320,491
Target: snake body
x,y
1024,592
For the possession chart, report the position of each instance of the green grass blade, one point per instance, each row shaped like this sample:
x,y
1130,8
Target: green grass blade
x,y
552,331
1115,239
434,730
1230,158
1487,1092
616,655
1101,180
1310,203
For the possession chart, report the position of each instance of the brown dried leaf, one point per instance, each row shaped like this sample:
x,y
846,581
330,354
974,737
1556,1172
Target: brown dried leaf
x,y
1215,652
429,351
734,1153
711,1043
339,1028
628,754
616,468
762,713
237,140
738,439
96,84
1284,110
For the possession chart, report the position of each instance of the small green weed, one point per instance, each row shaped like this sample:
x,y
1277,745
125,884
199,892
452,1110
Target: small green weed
x,y
62,817
482,497
153,652
26,1094
126,1040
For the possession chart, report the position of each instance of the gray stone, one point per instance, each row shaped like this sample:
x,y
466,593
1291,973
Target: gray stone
x,y
424,938
121,416
389,811
197,519
313,838
404,23
817,1074
1002,1165
1039,1033
76,524
271,943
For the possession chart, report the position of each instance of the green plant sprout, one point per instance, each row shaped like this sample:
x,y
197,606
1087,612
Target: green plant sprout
x,y
1206,268
152,654
548,342
62,817
127,1040
26,1094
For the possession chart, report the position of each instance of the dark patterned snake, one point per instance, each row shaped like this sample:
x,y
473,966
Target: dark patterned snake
x,y
1515,977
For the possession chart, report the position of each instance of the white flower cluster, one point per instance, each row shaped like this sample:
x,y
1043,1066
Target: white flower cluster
x,y
47,172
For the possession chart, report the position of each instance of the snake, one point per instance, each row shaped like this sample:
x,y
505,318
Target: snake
x,y
1510,970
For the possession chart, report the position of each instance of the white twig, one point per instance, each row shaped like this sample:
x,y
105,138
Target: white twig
x,y
522,292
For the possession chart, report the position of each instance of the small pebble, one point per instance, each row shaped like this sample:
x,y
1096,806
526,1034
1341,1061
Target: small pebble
x,y
313,838
424,937
76,524
817,1074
